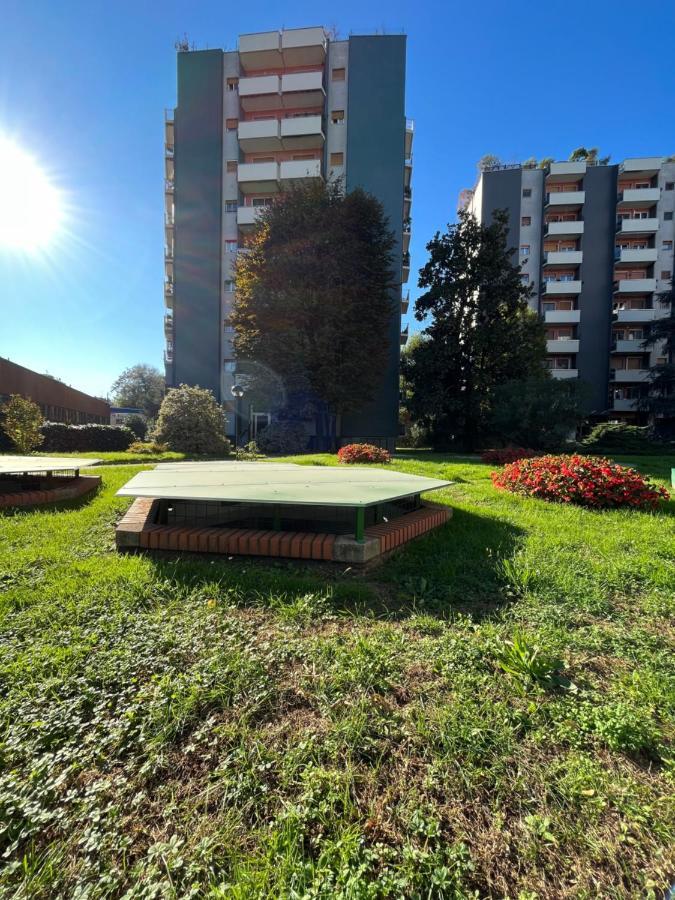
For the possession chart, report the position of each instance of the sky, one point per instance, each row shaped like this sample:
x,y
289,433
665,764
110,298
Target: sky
x,y
84,84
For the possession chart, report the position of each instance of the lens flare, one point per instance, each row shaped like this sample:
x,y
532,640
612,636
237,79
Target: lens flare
x,y
31,208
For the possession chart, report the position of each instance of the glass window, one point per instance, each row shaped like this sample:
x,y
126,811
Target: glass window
x,y
670,185
232,84
337,117
337,159
527,192
231,124
667,217
231,206
231,246
526,220
338,75
231,165
524,249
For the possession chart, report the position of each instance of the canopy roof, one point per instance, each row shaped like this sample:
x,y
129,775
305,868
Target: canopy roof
x,y
17,465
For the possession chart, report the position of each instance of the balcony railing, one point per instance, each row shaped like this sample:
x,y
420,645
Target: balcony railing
x,y
404,336
637,226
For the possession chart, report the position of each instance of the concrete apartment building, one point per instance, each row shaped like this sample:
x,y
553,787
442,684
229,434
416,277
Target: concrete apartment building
x,y
285,107
595,242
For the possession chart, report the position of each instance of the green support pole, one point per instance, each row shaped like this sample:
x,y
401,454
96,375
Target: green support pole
x,y
360,524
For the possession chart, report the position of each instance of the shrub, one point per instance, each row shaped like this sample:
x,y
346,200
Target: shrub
x,y
503,455
615,437
147,447
22,419
138,425
362,453
192,421
282,437
62,438
583,480
538,412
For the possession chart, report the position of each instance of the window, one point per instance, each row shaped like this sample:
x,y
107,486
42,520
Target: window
x,y
337,117
525,278
548,307
232,84
667,245
661,360
527,192
229,286
338,75
229,365
666,275
231,246
524,249
231,124
526,220
670,185
337,159
231,165
261,201
231,206
667,217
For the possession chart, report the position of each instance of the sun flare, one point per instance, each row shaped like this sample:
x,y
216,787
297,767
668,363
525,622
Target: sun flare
x,y
31,207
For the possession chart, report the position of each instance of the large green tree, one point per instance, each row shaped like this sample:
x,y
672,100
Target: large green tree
x,y
141,386
192,421
659,402
480,333
315,298
21,421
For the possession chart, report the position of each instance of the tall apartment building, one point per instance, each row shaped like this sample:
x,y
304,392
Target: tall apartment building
x,y
284,108
595,242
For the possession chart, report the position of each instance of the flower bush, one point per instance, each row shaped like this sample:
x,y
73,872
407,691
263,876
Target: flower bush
x,y
591,481
363,453
503,455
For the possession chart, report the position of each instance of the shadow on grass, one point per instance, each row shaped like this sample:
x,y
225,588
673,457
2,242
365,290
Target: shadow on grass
x,y
457,569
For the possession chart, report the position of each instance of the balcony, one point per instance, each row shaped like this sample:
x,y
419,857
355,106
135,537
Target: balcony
x,y
296,171
632,346
168,168
566,171
302,89
407,172
562,345
168,355
246,216
258,178
639,197
407,202
405,267
169,186
263,134
405,303
637,226
630,376
168,325
409,132
168,294
565,199
302,133
624,257
564,373
624,404
404,336
561,288
406,238
303,46
635,286
564,229
562,316
643,166
261,92
634,315
260,51
563,257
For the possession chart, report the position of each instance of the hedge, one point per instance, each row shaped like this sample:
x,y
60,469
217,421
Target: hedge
x,y
62,438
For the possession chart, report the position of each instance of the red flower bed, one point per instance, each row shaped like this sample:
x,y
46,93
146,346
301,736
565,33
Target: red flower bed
x,y
363,453
503,455
584,480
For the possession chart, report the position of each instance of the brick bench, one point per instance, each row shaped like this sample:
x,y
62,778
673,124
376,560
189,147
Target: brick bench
x,y
138,530
71,490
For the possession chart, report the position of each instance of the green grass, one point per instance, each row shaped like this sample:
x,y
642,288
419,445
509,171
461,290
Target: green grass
x,y
490,713
117,457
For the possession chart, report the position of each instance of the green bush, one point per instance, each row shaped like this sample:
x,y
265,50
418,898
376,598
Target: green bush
x,y
62,438
615,437
138,425
21,423
147,447
283,438
192,421
537,412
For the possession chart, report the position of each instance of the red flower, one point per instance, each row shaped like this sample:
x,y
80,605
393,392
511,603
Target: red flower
x,y
363,453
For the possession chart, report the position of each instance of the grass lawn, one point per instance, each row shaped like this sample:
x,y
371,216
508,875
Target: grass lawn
x,y
116,457
240,729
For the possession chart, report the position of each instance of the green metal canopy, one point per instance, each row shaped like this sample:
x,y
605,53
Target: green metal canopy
x,y
17,465
277,483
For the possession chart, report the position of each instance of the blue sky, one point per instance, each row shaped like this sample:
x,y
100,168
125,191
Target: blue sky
x,y
83,86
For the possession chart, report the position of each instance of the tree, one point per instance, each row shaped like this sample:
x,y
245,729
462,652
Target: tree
x,y
487,162
21,423
315,299
581,153
140,386
538,412
138,425
659,402
482,332
192,421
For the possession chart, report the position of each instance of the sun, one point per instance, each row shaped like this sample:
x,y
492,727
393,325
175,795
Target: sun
x,y
31,207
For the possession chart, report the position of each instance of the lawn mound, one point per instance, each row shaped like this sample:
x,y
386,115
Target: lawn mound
x,y
583,480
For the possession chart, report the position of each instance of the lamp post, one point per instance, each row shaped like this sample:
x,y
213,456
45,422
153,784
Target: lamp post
x,y
237,392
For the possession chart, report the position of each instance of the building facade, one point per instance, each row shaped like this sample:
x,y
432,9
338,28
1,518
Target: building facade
x,y
595,243
57,401
284,108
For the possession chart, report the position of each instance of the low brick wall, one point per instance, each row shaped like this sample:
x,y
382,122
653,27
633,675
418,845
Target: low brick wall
x,y
138,530
71,490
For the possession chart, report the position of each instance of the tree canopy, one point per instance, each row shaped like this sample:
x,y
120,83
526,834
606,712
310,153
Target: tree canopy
x,y
192,421
21,421
140,386
481,332
660,399
315,297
